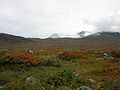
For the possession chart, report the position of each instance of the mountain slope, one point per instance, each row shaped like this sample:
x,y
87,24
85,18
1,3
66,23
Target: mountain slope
x,y
100,37
83,34
103,37
8,38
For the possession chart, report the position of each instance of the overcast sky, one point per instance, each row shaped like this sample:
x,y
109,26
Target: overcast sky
x,y
41,18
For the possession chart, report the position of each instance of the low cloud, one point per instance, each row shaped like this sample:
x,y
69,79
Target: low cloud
x,y
108,23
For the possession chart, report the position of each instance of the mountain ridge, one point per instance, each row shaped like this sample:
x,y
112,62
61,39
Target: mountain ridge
x,y
9,38
94,37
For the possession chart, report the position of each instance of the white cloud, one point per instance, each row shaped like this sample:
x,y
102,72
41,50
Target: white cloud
x,y
40,18
109,23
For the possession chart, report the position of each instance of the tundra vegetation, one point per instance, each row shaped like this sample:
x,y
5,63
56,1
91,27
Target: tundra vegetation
x,y
58,69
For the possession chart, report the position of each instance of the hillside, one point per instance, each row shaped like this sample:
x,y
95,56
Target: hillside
x,y
8,38
103,37
96,38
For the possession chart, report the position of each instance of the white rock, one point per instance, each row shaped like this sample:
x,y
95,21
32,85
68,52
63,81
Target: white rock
x,y
30,80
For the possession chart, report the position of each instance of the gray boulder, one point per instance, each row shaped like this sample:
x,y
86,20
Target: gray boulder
x,y
113,84
92,81
30,80
1,87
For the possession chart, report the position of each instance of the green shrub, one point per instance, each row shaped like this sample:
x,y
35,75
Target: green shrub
x,y
13,64
49,61
113,84
67,78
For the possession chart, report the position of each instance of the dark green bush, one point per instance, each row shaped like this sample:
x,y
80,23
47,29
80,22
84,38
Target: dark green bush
x,y
67,78
113,85
8,62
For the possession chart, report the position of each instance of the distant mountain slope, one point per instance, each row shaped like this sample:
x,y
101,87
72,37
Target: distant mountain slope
x,y
103,37
100,37
83,34
8,38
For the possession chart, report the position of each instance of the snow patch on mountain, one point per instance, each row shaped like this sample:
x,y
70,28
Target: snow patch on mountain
x,y
81,34
96,34
58,35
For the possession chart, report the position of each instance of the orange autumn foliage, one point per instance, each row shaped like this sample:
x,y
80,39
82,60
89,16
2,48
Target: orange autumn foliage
x,y
82,62
28,57
22,57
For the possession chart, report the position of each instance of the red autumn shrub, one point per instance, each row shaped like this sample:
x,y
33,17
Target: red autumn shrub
x,y
68,55
113,64
116,59
28,58
7,58
82,62
115,53
17,58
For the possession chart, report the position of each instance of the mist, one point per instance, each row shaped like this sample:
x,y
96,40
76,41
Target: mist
x,y
41,18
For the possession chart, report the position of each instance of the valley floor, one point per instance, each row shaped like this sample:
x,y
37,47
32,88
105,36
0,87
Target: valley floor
x,y
59,69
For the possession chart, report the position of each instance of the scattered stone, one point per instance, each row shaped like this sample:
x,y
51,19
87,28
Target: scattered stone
x,y
92,81
1,87
3,82
113,84
29,51
30,80
83,88
105,54
109,57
